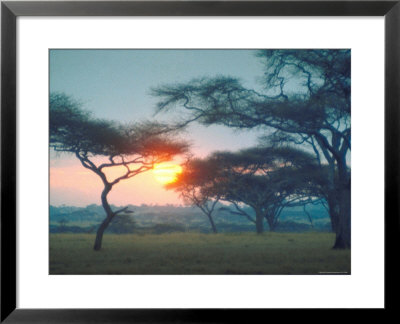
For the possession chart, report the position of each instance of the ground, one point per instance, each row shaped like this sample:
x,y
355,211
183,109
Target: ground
x,y
195,253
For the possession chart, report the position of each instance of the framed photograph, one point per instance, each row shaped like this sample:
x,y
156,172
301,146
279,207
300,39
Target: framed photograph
x,y
161,160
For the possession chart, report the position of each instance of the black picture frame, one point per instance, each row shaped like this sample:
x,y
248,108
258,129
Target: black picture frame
x,y
10,10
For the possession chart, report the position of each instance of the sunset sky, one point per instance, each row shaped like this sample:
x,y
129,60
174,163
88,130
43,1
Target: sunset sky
x,y
115,84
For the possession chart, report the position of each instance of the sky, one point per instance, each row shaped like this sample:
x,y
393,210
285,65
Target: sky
x,y
116,84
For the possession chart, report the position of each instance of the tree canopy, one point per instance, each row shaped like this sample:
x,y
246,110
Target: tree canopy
x,y
306,100
73,129
136,147
265,178
317,102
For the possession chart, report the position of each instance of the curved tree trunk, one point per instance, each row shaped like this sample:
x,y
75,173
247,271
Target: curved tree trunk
x,y
107,220
259,221
214,228
271,223
100,232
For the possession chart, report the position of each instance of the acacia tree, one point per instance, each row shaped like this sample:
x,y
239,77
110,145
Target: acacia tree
x,y
102,144
195,186
306,101
266,179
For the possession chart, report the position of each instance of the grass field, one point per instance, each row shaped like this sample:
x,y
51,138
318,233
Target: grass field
x,y
193,253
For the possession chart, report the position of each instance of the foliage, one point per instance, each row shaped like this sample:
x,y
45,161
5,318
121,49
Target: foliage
x,y
63,223
195,186
122,224
135,147
306,100
265,178
75,130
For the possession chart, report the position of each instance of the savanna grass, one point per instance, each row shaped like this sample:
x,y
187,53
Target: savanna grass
x,y
195,253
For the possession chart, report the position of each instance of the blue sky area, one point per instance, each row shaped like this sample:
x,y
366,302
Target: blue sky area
x,y
115,84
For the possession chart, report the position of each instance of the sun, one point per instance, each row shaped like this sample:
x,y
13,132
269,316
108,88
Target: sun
x,y
166,172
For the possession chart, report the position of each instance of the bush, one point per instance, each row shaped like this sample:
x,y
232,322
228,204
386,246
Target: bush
x,y
122,224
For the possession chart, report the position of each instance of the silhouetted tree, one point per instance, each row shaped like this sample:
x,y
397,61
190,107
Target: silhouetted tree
x,y
63,224
266,179
194,185
306,101
122,224
102,144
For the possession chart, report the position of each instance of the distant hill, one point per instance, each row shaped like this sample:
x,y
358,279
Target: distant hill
x,y
154,218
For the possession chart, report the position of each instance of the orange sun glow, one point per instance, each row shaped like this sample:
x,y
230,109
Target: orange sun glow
x,y
166,172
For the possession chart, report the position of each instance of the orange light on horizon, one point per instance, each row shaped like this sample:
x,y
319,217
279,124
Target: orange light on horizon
x,y
166,172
